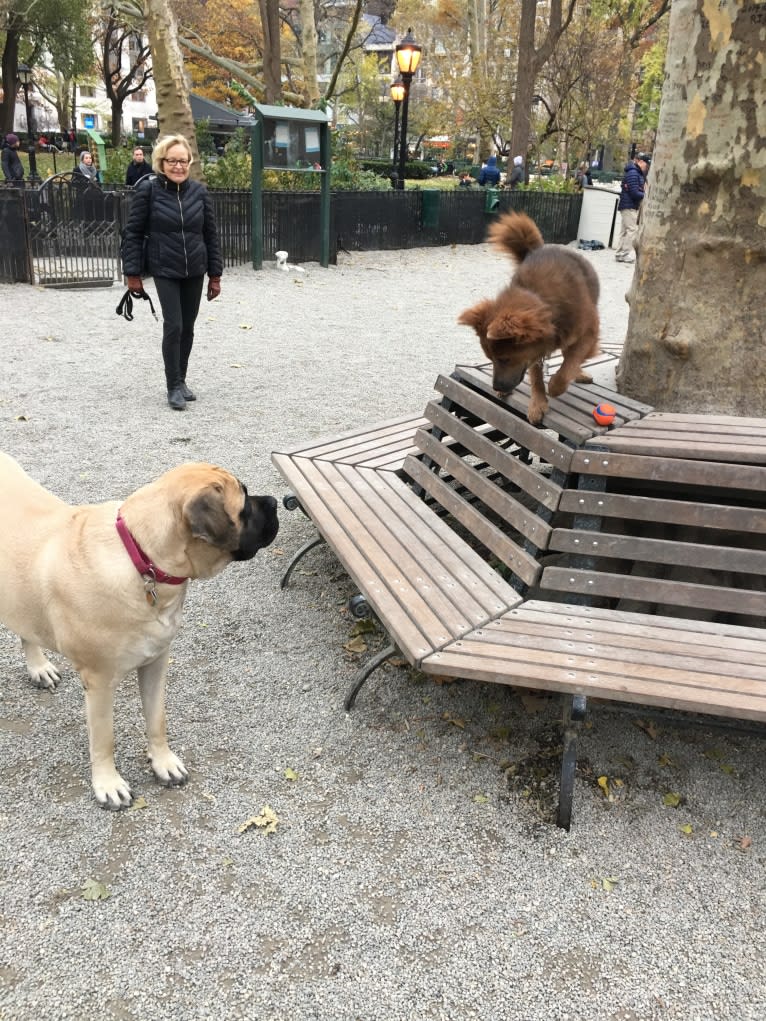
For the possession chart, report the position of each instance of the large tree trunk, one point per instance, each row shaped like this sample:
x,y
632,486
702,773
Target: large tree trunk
x,y
530,63
697,322
10,65
309,50
175,114
272,50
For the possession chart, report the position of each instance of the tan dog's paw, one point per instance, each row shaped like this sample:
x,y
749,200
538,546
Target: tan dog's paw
x,y
583,377
536,411
168,769
40,669
557,385
111,790
45,675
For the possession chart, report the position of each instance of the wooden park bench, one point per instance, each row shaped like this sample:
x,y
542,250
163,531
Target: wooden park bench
x,y
631,557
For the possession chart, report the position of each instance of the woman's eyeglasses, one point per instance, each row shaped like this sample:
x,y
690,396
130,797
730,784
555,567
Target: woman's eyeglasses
x,y
177,163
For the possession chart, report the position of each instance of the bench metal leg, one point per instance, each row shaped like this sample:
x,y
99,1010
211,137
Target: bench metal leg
x,y
362,675
574,714
298,556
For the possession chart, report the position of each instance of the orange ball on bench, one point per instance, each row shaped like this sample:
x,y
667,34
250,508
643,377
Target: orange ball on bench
x,y
604,414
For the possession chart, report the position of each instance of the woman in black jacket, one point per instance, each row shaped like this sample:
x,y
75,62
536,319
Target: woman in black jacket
x,y
174,216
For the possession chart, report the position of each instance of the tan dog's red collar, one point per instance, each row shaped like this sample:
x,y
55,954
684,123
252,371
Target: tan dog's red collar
x,y
148,570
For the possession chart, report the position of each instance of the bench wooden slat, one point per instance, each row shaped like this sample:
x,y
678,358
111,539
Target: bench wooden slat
x,y
414,637
674,446
517,559
595,679
662,591
572,413
507,463
658,551
357,443
547,448
390,560
677,512
473,587
556,418
679,471
501,502
605,666
634,631
662,664
712,634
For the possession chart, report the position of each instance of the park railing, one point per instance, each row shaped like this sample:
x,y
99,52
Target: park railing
x,y
45,237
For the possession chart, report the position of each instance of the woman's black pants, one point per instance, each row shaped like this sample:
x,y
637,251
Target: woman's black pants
x,y
180,304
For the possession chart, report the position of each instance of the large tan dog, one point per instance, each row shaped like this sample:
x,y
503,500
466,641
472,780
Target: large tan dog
x,y
109,598
549,305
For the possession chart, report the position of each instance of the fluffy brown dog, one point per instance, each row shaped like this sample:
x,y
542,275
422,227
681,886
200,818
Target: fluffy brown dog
x,y
549,305
104,585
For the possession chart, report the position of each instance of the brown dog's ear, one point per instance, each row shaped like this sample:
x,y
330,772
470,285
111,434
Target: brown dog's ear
x,y
478,317
523,325
208,519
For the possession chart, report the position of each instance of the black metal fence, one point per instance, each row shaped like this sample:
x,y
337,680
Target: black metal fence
x,y
56,236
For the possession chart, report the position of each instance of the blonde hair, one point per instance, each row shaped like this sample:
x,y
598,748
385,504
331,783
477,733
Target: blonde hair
x,y
162,148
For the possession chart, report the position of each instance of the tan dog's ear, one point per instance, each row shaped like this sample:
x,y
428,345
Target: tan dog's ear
x,y
478,317
208,519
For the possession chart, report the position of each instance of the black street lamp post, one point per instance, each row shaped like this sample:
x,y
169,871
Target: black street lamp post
x,y
25,77
408,55
397,95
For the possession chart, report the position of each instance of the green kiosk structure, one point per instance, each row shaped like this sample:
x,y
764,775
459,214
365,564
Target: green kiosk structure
x,y
298,141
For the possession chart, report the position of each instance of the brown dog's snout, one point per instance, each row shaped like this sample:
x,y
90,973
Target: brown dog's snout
x,y
505,381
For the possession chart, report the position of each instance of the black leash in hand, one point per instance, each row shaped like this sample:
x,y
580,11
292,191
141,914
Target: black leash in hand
x,y
125,308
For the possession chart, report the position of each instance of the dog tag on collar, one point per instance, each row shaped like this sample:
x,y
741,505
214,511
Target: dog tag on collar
x,y
150,589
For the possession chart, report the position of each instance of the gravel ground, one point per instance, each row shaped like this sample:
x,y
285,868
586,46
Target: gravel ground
x,y
414,872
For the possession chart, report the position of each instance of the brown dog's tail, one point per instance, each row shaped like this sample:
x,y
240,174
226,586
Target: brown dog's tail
x,y
517,234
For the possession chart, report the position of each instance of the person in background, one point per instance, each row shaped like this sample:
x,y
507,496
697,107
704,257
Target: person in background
x,y
583,176
631,196
466,181
85,169
137,168
175,215
490,175
13,168
517,174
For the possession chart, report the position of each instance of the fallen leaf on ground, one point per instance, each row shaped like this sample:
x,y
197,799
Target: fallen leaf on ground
x,y
357,644
290,774
744,843
454,720
93,890
648,728
267,821
672,800
687,829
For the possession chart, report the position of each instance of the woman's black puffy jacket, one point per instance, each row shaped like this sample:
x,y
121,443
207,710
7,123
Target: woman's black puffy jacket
x,y
178,224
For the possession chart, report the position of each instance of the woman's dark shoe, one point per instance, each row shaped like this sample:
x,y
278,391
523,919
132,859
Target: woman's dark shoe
x,y
189,395
176,399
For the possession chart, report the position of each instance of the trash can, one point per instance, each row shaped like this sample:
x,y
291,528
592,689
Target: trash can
x,y
491,200
429,210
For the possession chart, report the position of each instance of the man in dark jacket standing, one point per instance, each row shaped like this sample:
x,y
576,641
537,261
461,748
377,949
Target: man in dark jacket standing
x,y
137,168
174,215
631,196
489,174
13,169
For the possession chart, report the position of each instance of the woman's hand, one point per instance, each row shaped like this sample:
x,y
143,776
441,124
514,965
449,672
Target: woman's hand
x,y
213,288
